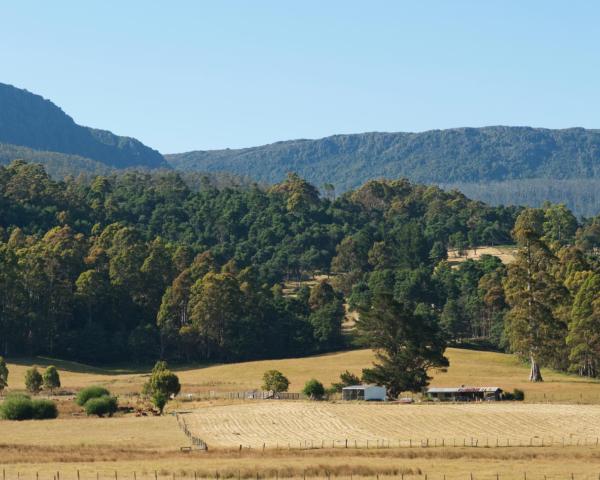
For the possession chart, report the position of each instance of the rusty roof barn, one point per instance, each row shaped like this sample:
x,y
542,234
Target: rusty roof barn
x,y
464,394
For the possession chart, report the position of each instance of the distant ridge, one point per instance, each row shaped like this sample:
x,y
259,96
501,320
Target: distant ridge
x,y
29,120
460,157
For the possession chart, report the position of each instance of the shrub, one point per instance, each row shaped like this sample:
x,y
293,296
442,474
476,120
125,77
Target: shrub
x,y
314,389
51,378
90,392
159,399
516,394
3,374
101,406
519,395
347,379
43,409
16,407
33,380
276,381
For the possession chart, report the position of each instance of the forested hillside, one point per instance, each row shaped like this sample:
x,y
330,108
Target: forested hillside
x,y
28,120
465,156
140,265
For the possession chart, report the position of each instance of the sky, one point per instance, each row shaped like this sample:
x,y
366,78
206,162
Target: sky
x,y
194,75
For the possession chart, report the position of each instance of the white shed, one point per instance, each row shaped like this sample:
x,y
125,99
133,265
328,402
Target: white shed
x,y
364,392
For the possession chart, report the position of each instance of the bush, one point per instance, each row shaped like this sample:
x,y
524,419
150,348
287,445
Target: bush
x,y
33,380
314,389
43,409
519,395
159,399
16,407
90,392
101,406
276,381
51,378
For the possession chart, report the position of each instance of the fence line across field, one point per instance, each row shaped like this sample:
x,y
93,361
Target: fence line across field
x,y
463,442
456,442
308,474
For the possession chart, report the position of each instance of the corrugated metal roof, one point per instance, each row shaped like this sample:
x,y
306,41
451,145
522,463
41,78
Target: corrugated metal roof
x,y
360,387
463,389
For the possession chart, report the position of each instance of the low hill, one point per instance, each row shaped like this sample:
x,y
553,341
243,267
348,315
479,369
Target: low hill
x,y
466,367
28,120
463,157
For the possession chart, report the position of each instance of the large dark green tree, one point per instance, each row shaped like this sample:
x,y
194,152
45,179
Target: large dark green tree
x,y
408,344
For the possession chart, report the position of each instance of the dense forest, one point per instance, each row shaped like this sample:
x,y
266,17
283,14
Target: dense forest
x,y
497,165
469,157
142,265
582,195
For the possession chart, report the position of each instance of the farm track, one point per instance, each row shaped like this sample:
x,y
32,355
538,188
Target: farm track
x,y
314,424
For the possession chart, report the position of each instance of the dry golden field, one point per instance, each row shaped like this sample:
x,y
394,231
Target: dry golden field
x,y
301,424
467,367
145,445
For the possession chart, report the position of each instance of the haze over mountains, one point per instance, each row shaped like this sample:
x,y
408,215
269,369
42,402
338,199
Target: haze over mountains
x,y
496,164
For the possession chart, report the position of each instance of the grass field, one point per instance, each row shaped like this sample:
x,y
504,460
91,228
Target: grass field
x,y
467,367
145,445
299,424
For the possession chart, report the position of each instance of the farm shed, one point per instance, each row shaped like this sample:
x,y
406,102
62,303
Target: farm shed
x,y
464,394
364,392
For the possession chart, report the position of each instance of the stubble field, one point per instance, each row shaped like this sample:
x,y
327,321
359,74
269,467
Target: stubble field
x,y
300,424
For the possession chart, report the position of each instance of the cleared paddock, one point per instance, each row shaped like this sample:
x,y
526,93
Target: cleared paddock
x,y
305,424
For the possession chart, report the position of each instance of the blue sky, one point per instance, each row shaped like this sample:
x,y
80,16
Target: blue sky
x,y
184,75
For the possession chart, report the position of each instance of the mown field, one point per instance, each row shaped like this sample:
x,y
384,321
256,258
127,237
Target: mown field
x,y
301,424
467,367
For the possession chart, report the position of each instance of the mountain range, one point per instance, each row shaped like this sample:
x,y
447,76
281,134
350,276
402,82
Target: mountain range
x,y
497,164
30,124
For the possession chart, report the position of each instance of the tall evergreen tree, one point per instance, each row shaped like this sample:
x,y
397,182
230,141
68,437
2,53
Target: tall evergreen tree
x,y
533,327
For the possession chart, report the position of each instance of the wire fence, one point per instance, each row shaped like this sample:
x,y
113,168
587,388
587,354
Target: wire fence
x,y
462,442
313,473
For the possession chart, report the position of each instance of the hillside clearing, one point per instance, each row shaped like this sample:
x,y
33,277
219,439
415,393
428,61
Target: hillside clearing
x,y
506,253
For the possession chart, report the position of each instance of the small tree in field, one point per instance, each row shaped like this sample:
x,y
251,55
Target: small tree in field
x,y
162,384
3,375
33,380
276,381
51,378
314,389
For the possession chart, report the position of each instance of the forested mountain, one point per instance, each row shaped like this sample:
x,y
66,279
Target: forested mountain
x,y
462,156
28,120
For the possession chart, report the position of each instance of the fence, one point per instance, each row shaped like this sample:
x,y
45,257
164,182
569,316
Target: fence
x,y
263,395
463,442
316,473
196,441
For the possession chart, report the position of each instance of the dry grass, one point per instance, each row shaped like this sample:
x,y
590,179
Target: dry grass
x,y
467,367
157,433
437,464
506,253
148,444
313,424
